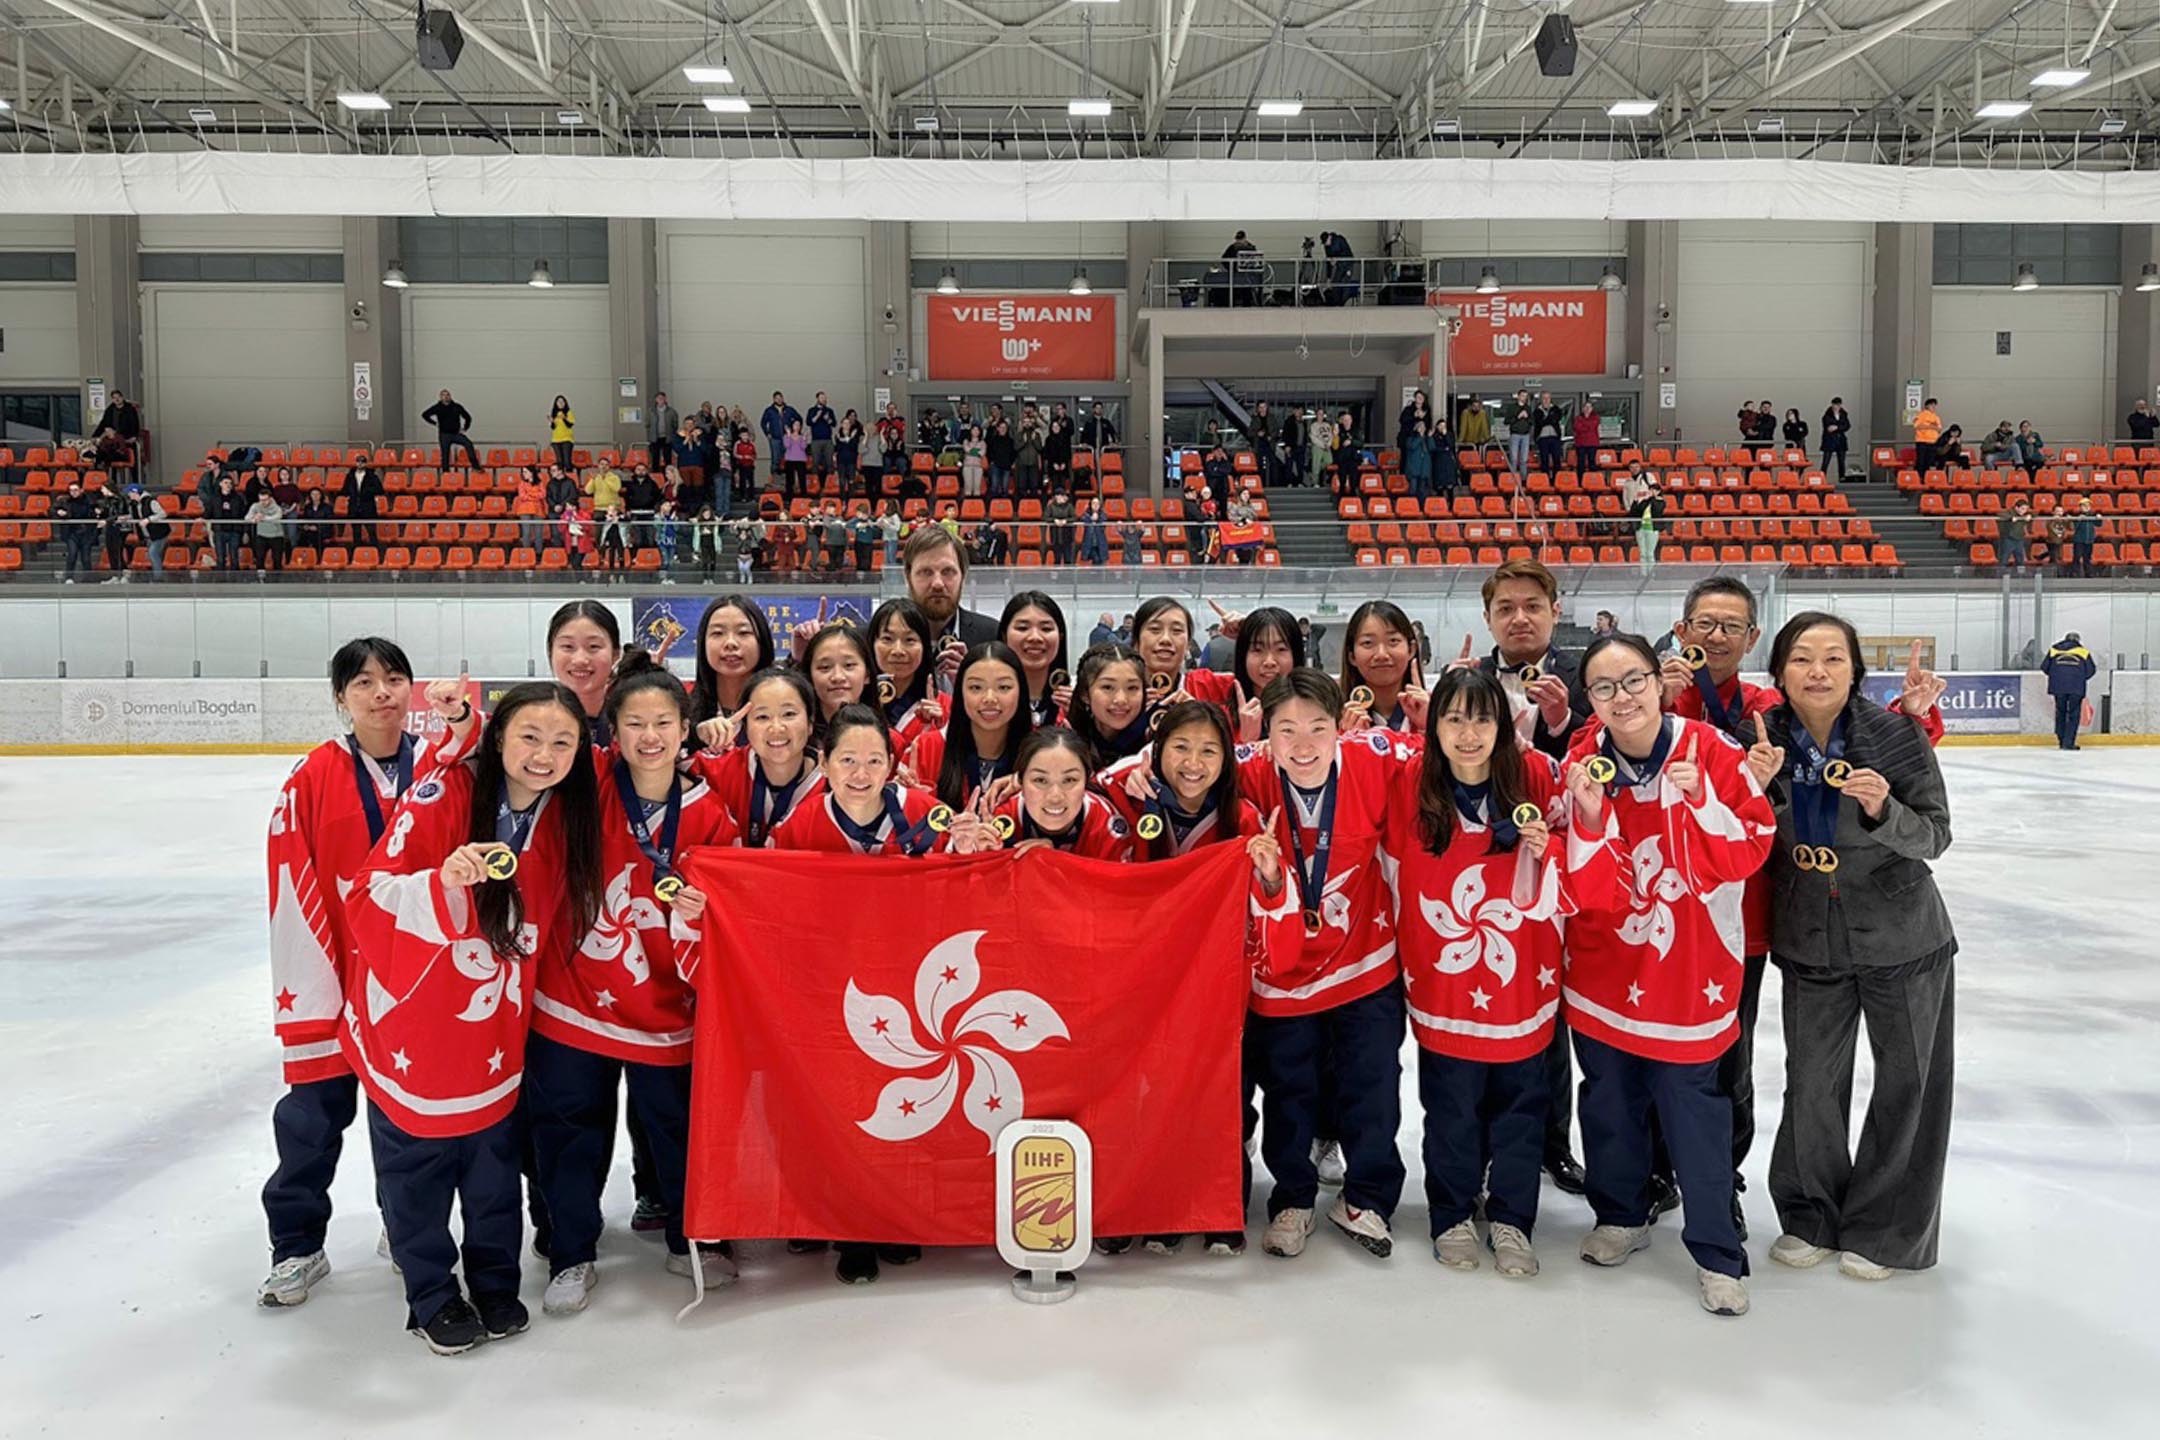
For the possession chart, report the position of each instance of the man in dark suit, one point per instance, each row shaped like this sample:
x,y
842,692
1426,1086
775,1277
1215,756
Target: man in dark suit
x,y
936,566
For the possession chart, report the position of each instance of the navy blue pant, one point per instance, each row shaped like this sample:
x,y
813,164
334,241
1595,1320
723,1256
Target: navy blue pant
x,y
1619,1092
1361,1044
1559,1097
570,1103
309,1124
417,1180
2069,710
1484,1132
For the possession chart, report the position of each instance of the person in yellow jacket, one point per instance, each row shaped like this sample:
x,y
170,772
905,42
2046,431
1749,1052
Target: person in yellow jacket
x,y
1927,427
562,430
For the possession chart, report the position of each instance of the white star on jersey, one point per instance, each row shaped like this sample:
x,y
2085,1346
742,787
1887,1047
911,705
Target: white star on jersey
x,y
1714,993
495,1063
605,1000
399,1059
1480,999
1634,994
1544,975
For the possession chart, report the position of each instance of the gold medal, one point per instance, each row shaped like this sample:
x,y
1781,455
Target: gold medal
x,y
1150,826
1159,684
667,887
1312,922
1696,657
1059,679
1826,860
1836,773
940,818
1362,695
1531,673
1154,721
502,863
1527,813
1601,769
886,690
1004,826
1804,856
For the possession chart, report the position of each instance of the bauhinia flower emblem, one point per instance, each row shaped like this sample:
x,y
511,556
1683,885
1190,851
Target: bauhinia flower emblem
x,y
1653,886
1474,927
499,979
1004,1021
614,935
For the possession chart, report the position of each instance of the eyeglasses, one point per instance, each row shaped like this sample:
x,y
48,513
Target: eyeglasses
x,y
1633,683
1730,629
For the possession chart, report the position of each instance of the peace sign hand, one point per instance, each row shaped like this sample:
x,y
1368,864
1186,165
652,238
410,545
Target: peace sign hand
x,y
1266,853
1923,687
1249,716
1764,760
717,733
1463,661
1685,774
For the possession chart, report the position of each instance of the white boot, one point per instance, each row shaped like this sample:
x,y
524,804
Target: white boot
x,y
1368,1227
1798,1253
1512,1255
1287,1233
1722,1294
1456,1247
1327,1159
1859,1267
718,1265
290,1280
1612,1244
570,1290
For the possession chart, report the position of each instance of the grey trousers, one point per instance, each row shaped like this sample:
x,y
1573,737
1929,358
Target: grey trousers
x,y
1883,1201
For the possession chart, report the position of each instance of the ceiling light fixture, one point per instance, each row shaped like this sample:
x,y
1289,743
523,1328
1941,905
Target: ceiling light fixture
x,y
2003,109
362,100
2112,124
708,74
202,114
1087,107
569,117
2062,76
1608,278
948,281
1080,284
1447,125
2026,278
1631,109
1281,109
2148,278
727,104
1488,281
394,276
540,279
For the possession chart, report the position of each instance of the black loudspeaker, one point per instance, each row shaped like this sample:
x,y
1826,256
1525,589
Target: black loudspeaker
x,y
1556,46
441,42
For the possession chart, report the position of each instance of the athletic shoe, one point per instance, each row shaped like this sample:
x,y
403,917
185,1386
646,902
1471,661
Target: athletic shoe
x,y
1368,1227
649,1217
1798,1253
1456,1247
290,1281
805,1247
382,1248
858,1264
1512,1255
1664,1196
1612,1244
502,1315
1113,1244
899,1254
1287,1233
569,1290
1739,1216
1163,1244
1566,1172
1722,1294
1225,1242
1328,1159
453,1330
1859,1267
717,1261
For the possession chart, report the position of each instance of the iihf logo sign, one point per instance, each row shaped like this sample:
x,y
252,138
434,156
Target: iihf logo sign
x,y
1002,1022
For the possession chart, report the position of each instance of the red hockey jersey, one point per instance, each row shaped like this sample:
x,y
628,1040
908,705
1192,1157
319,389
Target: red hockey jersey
x,y
1480,930
1353,953
816,825
318,840
1102,833
926,757
621,992
1217,687
435,1020
1653,957
733,776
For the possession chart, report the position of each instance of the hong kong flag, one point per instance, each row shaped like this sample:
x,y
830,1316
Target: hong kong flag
x,y
866,1026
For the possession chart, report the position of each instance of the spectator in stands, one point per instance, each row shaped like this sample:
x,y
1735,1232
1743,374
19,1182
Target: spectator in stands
x,y
1059,516
1446,463
117,438
795,458
577,536
1028,456
1347,458
973,459
1105,631
1239,245
1215,465
1342,272
268,518
1796,432
1129,537
1586,427
1950,450
451,421
2032,450
1098,434
2084,530
668,532
1519,417
2142,422
2069,667
821,422
837,538
1927,432
224,515
1836,436
1648,512
998,455
116,531
745,471
661,428
1319,445
864,531
604,489
1473,428
749,546
930,433
1094,533
705,531
891,428
562,491
363,494
311,523
1766,426
1606,623
156,523
1745,421
1999,446
773,424
709,464
1417,458
991,546
562,430
2016,533
1407,421
1058,448
847,450
888,522
641,499
530,508
691,493
1550,426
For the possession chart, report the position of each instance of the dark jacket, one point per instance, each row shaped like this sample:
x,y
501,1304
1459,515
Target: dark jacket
x,y
2143,427
1836,426
1569,668
1880,908
448,418
641,493
363,492
776,419
821,421
974,628
2069,665
122,418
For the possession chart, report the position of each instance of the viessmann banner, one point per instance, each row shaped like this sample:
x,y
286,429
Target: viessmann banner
x,y
1528,332
1022,337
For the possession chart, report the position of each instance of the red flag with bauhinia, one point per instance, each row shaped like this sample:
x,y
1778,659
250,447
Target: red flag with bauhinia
x,y
866,1025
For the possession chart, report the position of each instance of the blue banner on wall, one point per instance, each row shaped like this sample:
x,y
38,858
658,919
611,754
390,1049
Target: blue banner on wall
x,y
667,624
1977,702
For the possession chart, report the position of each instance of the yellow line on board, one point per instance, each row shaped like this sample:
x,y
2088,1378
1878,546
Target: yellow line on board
x,y
155,749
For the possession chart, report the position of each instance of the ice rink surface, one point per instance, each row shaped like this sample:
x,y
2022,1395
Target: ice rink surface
x,y
138,1071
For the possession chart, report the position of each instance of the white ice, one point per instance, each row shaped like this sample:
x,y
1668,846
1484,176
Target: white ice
x,y
138,1074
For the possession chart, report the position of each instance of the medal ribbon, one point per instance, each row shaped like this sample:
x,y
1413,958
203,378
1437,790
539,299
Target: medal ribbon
x,y
1714,709
514,828
364,780
871,838
1473,802
1312,874
913,839
661,852
770,804
1815,802
1628,772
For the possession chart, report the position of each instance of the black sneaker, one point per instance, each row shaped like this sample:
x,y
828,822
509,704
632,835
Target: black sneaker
x,y
1164,1244
1225,1242
858,1264
1664,1196
1113,1244
899,1254
649,1217
1566,1172
1739,1216
806,1247
502,1315
453,1330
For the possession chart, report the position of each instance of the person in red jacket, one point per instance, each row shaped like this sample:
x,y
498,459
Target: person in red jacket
x,y
977,749
1585,428
764,779
489,871
331,811
1054,807
1162,633
616,1010
1479,893
1652,990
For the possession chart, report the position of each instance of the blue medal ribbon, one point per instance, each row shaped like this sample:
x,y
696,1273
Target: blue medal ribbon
x,y
779,798
514,828
1473,802
1814,799
1714,708
1627,772
913,839
660,852
1312,874
364,781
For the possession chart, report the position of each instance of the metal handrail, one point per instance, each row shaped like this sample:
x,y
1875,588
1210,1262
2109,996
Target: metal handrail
x,y
1256,279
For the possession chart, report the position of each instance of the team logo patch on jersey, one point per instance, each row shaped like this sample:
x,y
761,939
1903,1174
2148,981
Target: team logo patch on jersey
x,y
425,792
1117,826
1378,741
1245,752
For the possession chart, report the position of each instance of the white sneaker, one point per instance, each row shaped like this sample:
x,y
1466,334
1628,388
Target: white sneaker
x,y
1612,1244
1456,1247
1859,1267
718,1265
569,1291
290,1281
1287,1233
1512,1255
1798,1253
1368,1227
1722,1294
1327,1158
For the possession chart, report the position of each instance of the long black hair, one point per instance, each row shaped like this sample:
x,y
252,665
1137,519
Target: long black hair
x,y
1482,697
499,906
1388,613
1037,600
1223,795
1106,748
1265,621
838,634
956,777
705,696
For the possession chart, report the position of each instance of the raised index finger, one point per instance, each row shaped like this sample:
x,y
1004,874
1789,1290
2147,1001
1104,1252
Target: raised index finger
x,y
1762,734
1691,749
1912,666
1466,645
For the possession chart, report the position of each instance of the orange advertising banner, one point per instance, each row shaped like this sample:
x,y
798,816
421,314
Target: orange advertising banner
x,y
1528,332
1022,337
